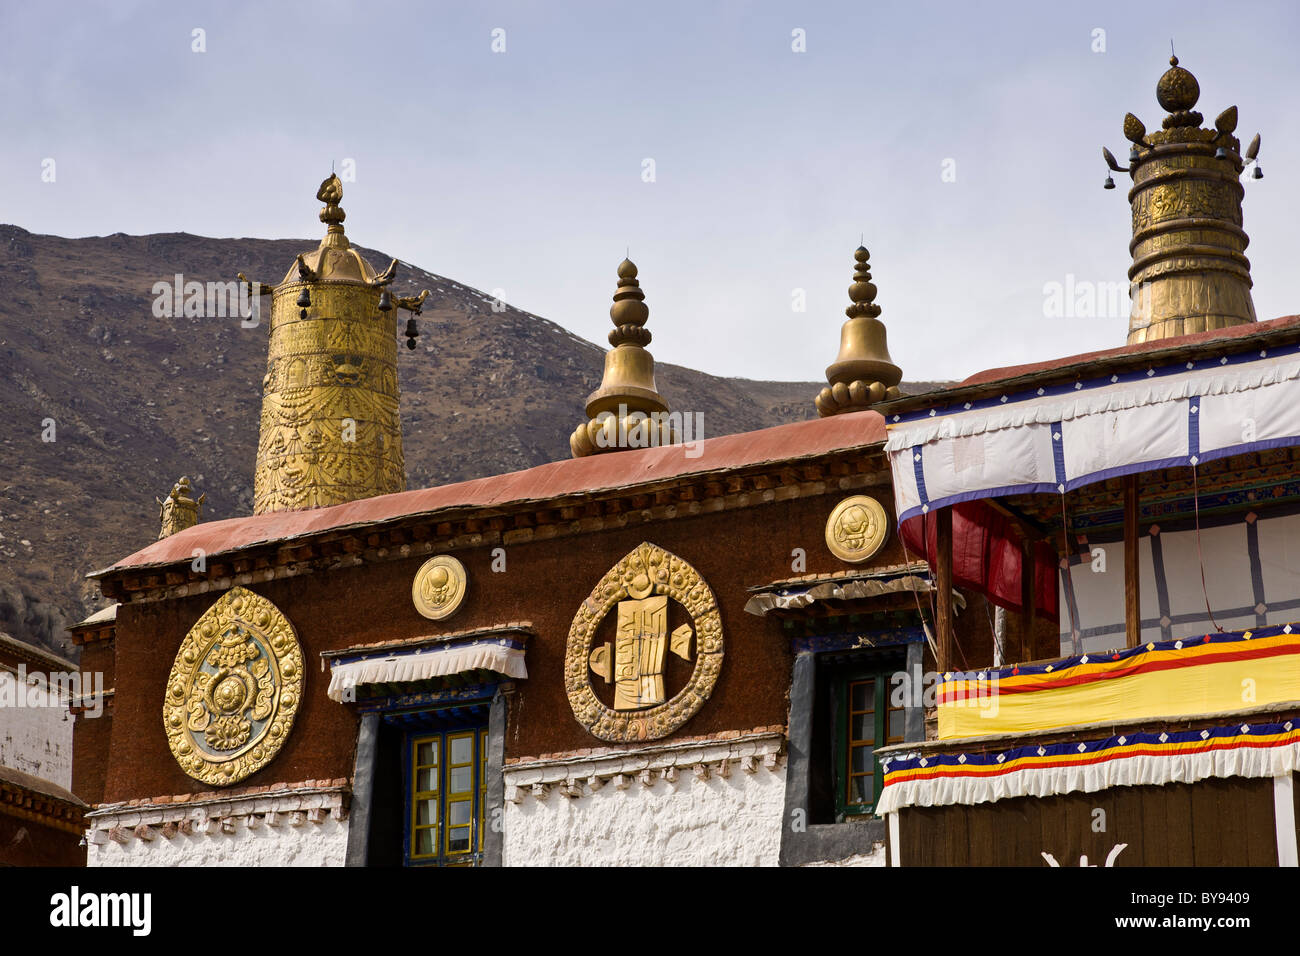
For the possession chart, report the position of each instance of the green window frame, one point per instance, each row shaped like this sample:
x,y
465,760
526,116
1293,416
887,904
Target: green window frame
x,y
865,719
446,795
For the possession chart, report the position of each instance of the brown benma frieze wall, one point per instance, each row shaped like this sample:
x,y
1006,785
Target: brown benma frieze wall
x,y
91,736
544,582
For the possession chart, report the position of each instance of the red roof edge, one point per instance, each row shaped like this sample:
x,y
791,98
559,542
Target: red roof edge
x,y
1214,335
558,479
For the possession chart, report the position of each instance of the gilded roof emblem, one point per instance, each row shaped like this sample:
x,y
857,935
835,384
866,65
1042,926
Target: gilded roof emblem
x,y
857,529
233,690
649,590
439,587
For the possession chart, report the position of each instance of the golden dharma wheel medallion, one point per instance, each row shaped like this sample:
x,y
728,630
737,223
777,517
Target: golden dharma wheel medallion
x,y
439,587
647,590
233,690
857,529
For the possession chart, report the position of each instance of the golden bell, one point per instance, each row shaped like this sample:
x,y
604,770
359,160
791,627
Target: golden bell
x,y
864,354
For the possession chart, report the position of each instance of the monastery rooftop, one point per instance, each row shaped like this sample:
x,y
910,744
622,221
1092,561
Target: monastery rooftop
x,y
1090,364
570,478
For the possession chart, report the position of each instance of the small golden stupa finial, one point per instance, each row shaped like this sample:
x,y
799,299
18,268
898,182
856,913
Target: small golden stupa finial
x,y
863,373
627,410
179,511
1189,272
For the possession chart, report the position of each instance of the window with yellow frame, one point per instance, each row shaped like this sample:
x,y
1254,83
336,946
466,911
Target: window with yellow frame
x,y
447,790
869,716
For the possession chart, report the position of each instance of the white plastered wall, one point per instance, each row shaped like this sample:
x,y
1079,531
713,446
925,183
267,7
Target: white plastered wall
x,y
35,730
711,804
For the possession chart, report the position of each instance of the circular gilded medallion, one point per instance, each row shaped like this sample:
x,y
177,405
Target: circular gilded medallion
x,y
857,528
233,690
439,587
646,590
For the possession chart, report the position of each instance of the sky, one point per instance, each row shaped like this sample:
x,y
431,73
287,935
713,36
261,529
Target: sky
x,y
740,151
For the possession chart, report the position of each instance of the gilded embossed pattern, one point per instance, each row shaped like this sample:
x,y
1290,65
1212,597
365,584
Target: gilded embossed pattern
x,y
234,689
439,587
857,528
330,428
1190,273
645,572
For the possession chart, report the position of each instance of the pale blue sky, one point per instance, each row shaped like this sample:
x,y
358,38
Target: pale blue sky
x,y
523,170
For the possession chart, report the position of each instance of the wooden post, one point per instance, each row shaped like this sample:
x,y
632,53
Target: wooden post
x,y
1028,600
1132,598
943,583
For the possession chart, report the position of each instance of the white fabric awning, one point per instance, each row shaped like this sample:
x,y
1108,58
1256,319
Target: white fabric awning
x,y
1061,437
497,656
1136,760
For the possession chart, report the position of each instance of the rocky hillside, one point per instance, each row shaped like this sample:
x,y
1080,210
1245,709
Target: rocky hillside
x,y
132,402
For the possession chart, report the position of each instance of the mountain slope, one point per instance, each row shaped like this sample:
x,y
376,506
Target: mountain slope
x,y
137,401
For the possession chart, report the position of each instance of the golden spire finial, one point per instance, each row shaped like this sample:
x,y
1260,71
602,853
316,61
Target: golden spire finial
x,y
1189,271
331,429
1177,92
331,194
627,410
629,311
863,291
863,373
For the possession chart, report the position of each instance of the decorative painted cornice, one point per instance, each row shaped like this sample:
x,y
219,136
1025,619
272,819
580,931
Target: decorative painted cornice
x,y
25,798
13,649
295,806
584,773
100,626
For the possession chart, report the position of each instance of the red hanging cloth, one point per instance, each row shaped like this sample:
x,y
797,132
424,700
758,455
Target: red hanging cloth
x,y
986,556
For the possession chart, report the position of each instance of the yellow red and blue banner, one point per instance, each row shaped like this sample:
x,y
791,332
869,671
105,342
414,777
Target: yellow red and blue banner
x,y
1131,759
1214,673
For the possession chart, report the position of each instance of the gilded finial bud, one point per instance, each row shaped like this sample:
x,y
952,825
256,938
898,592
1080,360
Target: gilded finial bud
x,y
1177,92
331,194
862,292
629,311
1134,128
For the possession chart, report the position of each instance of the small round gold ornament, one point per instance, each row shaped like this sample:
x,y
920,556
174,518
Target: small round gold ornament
x,y
857,529
439,587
